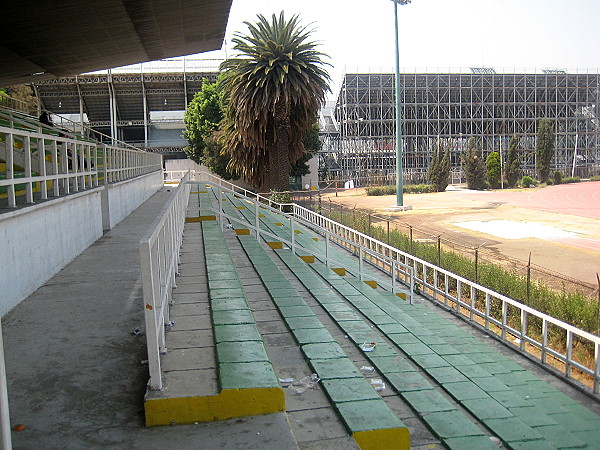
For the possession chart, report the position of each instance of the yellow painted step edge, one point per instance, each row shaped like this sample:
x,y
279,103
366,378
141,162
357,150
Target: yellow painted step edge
x,y
385,439
199,219
228,404
341,271
309,259
402,295
371,283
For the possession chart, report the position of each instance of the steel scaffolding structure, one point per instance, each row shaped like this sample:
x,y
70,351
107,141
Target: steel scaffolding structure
x,y
452,107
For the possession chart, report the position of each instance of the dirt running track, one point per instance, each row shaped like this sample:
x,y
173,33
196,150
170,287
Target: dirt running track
x,y
574,208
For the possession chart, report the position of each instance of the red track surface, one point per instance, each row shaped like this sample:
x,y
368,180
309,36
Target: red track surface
x,y
577,199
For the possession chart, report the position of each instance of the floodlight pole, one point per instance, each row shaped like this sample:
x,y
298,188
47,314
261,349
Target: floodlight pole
x,y
399,184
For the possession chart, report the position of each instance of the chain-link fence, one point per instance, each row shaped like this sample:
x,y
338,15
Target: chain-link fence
x,y
524,281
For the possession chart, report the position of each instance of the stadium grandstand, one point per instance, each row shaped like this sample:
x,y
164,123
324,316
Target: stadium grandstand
x,y
451,107
142,105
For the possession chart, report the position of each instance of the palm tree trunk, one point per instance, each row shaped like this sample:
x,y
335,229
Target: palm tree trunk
x,y
279,161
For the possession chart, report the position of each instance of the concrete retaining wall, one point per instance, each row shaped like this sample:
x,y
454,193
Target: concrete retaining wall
x,y
121,199
37,241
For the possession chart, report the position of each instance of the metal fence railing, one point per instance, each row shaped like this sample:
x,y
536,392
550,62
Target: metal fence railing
x,y
43,161
552,341
478,255
159,257
366,257
175,176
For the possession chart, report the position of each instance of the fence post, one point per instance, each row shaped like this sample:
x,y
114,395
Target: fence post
x,y
388,232
439,252
598,278
319,196
411,239
476,263
528,279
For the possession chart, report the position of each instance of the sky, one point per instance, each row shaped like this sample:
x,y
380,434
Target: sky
x,y
440,34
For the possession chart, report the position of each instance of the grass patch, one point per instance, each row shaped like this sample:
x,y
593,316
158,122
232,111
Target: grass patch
x,y
570,307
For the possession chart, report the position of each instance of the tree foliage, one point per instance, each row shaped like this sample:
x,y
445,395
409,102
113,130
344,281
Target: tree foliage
x,y
274,87
439,168
202,118
474,166
494,169
23,93
512,169
544,150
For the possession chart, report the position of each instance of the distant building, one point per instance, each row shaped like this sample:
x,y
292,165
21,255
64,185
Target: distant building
x,y
142,105
451,107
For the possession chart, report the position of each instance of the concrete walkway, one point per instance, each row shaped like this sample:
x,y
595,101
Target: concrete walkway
x,y
75,377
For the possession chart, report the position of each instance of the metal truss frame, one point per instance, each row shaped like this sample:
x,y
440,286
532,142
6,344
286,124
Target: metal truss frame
x,y
452,107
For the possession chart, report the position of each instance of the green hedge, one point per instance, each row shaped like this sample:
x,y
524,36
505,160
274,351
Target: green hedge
x,y
406,189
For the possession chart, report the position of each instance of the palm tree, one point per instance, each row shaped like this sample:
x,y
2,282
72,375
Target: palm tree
x,y
274,86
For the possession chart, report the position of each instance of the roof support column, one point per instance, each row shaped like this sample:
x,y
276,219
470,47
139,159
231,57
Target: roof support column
x,y
145,101
113,108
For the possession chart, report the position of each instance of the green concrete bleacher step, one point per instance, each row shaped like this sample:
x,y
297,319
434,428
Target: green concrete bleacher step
x,y
439,348
247,384
469,382
366,416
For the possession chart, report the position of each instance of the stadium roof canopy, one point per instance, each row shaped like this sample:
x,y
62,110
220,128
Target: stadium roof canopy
x,y
43,40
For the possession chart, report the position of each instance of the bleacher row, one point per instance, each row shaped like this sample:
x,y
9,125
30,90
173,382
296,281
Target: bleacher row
x,y
465,391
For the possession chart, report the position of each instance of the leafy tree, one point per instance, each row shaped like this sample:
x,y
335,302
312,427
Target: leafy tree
x,y
274,86
494,169
544,150
23,93
512,168
439,168
474,166
202,118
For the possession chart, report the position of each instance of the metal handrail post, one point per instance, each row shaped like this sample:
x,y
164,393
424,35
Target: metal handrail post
x,y
4,410
257,219
220,199
293,235
360,262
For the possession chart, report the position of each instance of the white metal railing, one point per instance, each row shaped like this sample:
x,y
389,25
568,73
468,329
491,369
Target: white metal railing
x,y
12,103
395,269
477,304
42,159
462,295
159,257
175,176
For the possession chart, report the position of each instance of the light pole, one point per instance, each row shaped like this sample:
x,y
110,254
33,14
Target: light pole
x,y
399,184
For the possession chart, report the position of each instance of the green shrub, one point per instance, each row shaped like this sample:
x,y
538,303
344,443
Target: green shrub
x,y
406,189
527,181
494,171
418,188
595,178
371,190
557,177
571,180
